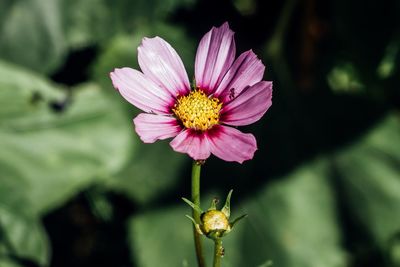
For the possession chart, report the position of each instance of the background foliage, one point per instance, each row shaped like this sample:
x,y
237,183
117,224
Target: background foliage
x,y
78,188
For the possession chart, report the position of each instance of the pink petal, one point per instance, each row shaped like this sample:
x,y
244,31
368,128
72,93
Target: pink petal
x,y
214,57
193,143
141,92
152,127
245,71
160,62
249,106
230,144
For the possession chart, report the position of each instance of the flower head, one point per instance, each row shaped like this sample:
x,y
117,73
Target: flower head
x,y
227,92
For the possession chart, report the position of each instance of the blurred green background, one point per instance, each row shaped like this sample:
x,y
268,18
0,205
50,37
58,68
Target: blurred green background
x,y
78,188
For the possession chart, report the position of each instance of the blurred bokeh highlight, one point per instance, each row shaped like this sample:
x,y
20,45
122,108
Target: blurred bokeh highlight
x,y
78,187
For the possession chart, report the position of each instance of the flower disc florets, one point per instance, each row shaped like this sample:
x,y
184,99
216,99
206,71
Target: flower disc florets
x,y
197,111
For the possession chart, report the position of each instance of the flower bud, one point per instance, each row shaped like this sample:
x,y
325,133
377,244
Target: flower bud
x,y
214,221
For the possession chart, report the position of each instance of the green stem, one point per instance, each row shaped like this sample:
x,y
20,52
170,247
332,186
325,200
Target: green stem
x,y
218,252
196,215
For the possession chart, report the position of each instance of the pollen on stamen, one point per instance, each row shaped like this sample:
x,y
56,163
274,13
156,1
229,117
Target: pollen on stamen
x,y
197,111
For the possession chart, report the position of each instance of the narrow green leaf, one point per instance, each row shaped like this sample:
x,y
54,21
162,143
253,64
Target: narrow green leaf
x,y
191,204
227,207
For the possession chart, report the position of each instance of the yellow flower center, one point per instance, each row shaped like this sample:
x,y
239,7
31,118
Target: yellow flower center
x,y
197,111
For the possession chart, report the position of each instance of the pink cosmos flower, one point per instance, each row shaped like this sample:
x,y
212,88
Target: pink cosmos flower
x,y
227,93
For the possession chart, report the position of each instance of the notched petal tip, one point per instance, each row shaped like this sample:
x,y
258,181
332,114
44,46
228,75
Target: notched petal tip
x,y
147,40
153,127
225,26
246,71
160,62
249,106
214,56
112,74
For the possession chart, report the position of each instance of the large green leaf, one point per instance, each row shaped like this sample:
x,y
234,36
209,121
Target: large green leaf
x,y
31,34
93,21
291,222
22,238
87,22
4,262
152,170
152,236
39,33
370,176
52,154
